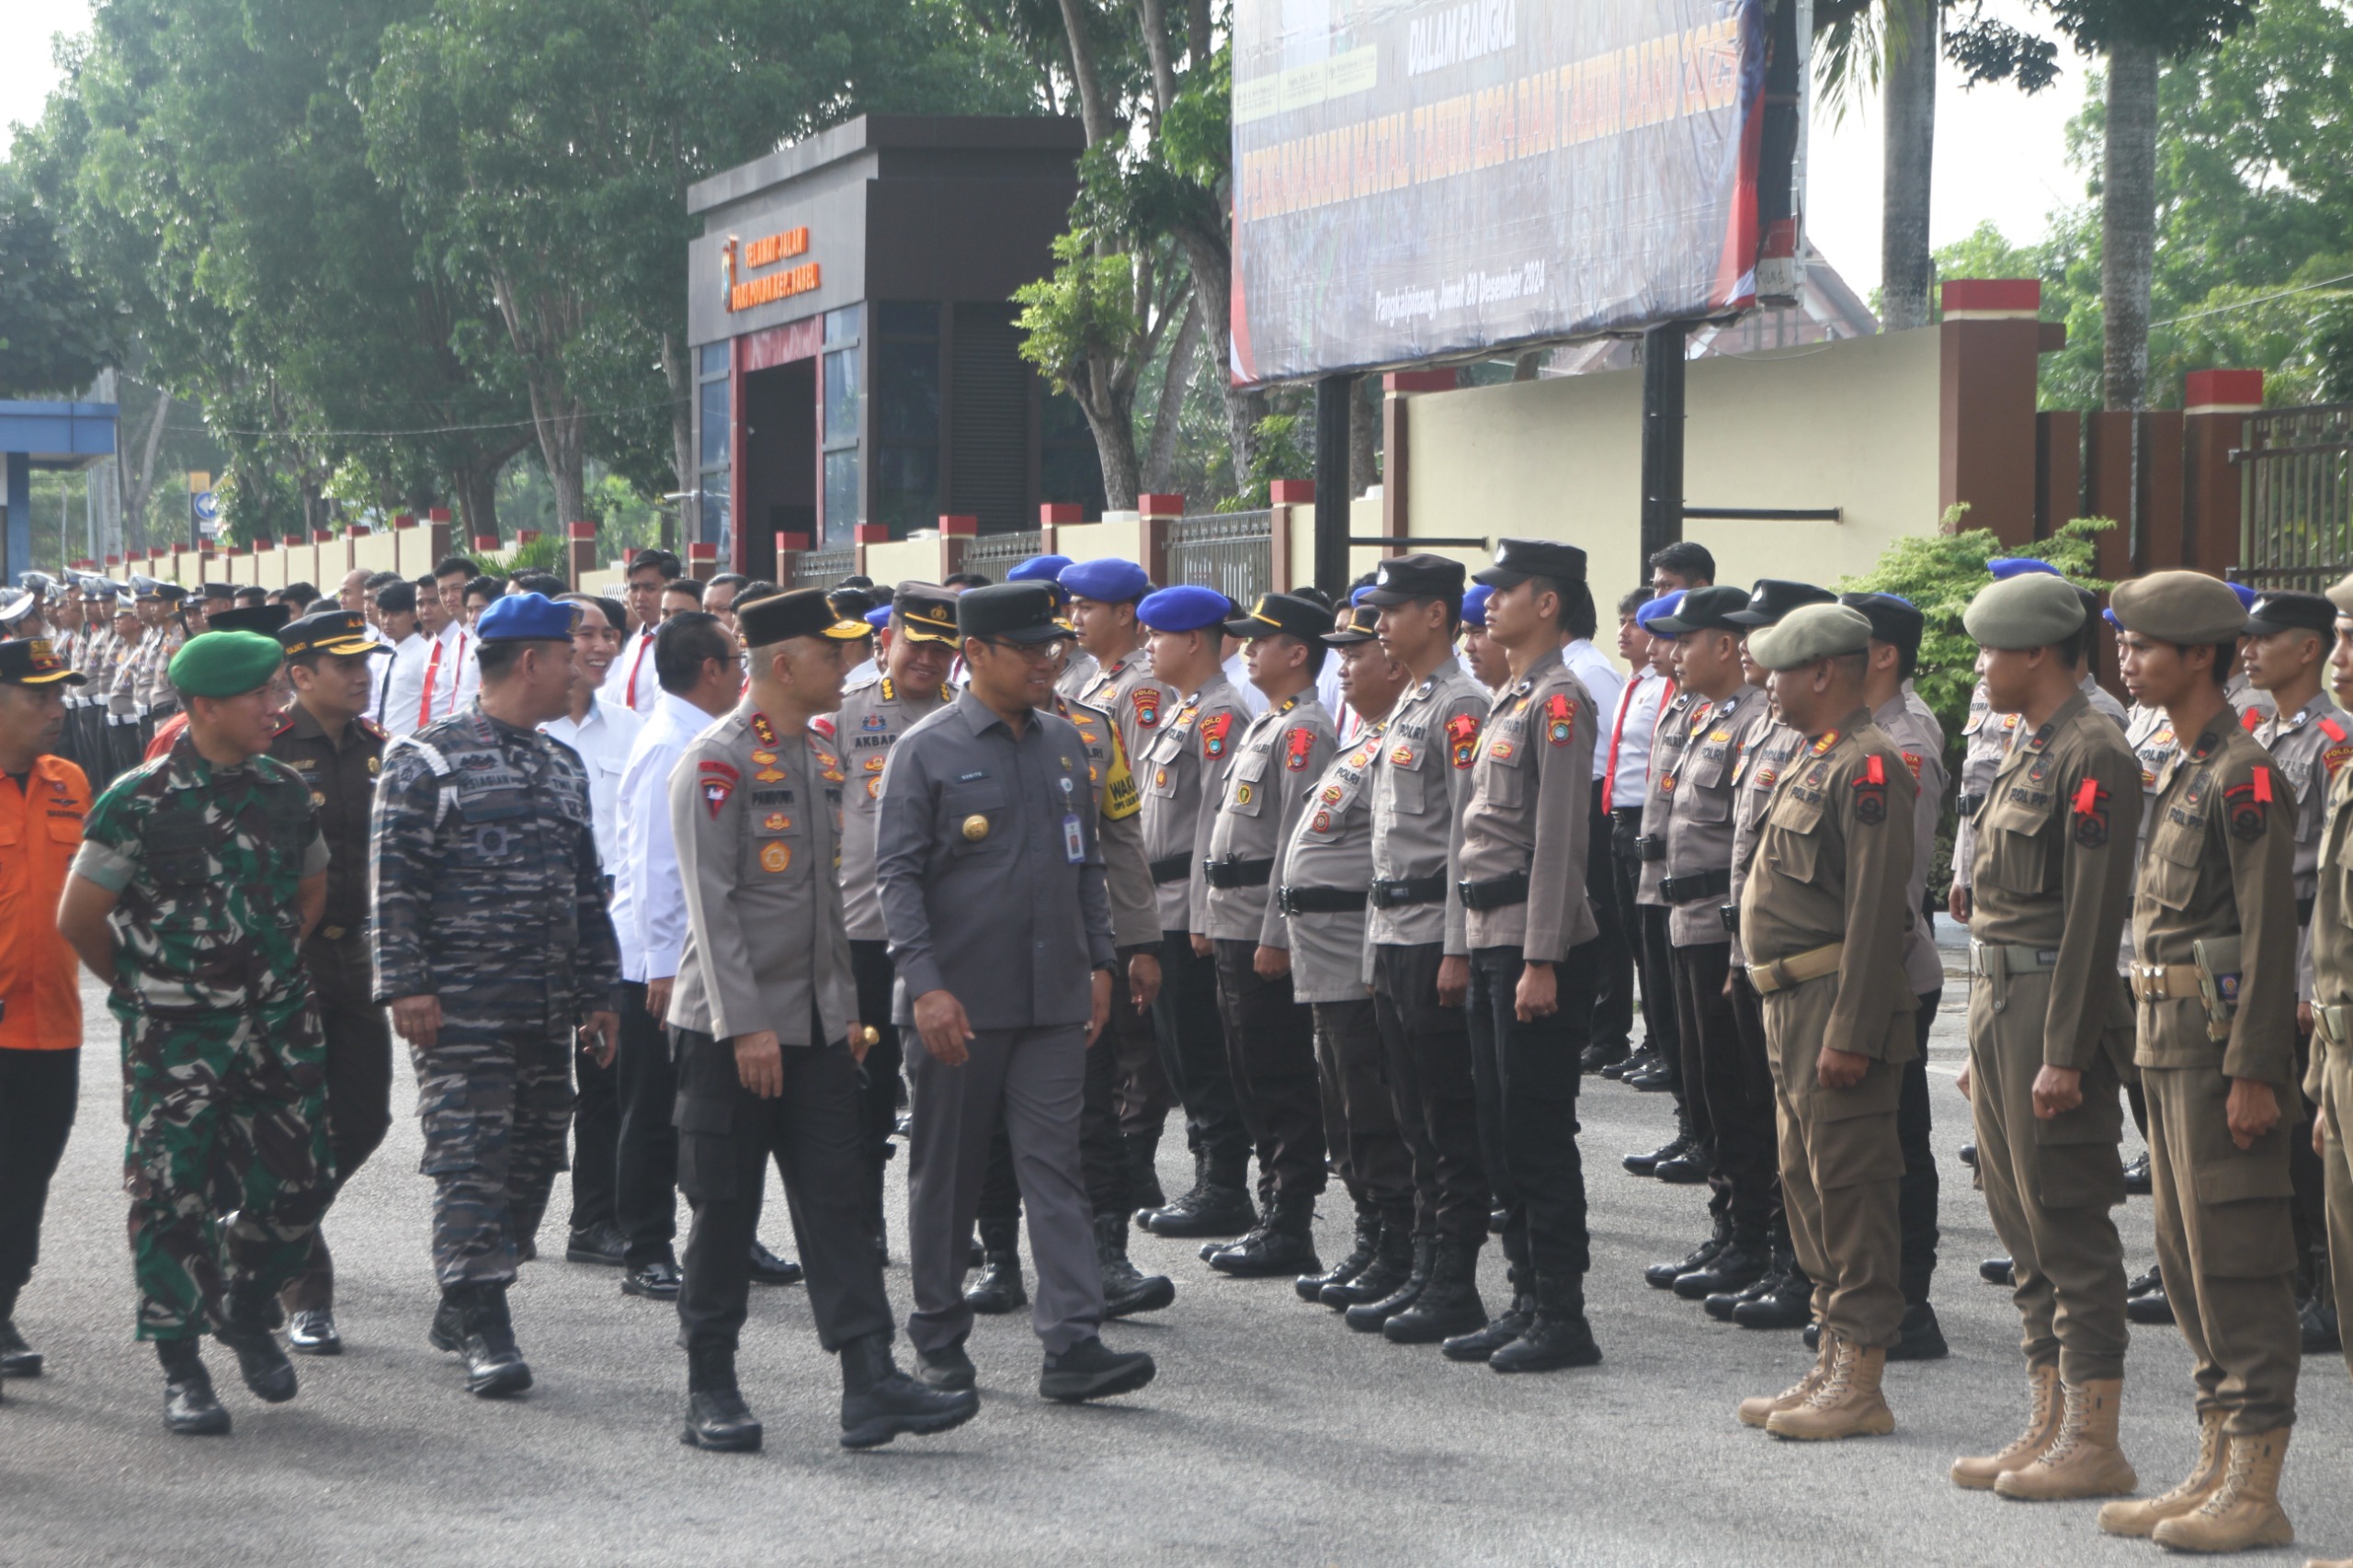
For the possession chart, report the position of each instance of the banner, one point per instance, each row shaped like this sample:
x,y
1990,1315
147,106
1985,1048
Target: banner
x,y
1415,181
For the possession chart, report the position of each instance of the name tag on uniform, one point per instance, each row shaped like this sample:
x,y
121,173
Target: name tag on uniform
x,y
1073,835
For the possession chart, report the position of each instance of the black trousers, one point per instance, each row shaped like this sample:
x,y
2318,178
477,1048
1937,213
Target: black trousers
x,y
359,1089
1359,1113
1426,1052
1270,1046
1528,1077
2307,1208
595,1140
878,1093
1757,1080
1731,1084
1645,937
726,1137
1101,1155
39,1090
1915,1198
1613,955
645,1161
1192,1054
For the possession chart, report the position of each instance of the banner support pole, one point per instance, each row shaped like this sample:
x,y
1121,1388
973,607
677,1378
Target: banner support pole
x,y
1664,349
1331,398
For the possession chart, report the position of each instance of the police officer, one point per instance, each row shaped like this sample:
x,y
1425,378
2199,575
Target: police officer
x,y
985,794
2049,1033
763,1018
1642,826
199,877
327,739
1326,868
1822,922
2329,1081
1269,1034
494,950
1533,948
133,628
1182,767
2214,964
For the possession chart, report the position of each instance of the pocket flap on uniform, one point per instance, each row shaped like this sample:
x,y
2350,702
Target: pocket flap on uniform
x,y
1251,766
2260,1172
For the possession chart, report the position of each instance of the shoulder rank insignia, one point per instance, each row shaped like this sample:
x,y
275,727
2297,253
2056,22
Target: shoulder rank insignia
x,y
823,725
370,728
1870,791
1214,733
1296,745
763,729
1462,739
2091,816
1822,746
1560,718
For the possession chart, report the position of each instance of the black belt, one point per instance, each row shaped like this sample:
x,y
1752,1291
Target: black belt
x,y
1407,891
1238,873
1172,869
1320,901
1651,847
1969,804
2303,912
1730,912
1696,886
1620,812
1500,893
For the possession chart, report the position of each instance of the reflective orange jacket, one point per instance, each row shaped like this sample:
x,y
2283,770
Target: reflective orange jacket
x,y
40,827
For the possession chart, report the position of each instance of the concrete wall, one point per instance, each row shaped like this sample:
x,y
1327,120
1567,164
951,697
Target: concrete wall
x,y
410,551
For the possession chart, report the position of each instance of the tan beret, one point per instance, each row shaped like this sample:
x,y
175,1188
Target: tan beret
x,y
2341,595
2032,609
1811,633
2184,607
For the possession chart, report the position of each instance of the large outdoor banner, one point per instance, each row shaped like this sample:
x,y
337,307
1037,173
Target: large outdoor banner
x,y
1419,180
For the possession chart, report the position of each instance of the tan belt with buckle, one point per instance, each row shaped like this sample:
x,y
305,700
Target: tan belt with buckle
x,y
2333,1021
1999,960
1797,969
2166,983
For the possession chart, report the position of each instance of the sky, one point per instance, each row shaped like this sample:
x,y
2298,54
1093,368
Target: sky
x,y
2000,155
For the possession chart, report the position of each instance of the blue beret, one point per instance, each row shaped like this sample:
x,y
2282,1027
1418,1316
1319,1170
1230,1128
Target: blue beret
x,y
526,618
1474,604
879,617
2005,567
1658,609
2248,596
1358,596
1109,581
1188,606
1038,569
2109,616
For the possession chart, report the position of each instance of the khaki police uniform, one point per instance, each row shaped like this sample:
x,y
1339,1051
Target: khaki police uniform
x,y
1916,734
2328,1082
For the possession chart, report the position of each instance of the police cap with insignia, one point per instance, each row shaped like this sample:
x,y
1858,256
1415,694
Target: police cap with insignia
x,y
1809,634
1010,612
212,591
338,631
924,612
2181,608
1518,560
1774,597
1405,578
526,618
2025,610
2291,612
225,664
1188,606
30,660
1700,609
1474,604
802,612
1286,614
264,618
1895,619
1109,581
1364,626
18,607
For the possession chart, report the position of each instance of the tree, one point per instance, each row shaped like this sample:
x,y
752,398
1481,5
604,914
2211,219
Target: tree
x,y
1092,327
55,332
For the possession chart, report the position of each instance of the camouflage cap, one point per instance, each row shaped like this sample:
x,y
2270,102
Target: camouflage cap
x,y
225,664
1809,634
2182,608
2026,609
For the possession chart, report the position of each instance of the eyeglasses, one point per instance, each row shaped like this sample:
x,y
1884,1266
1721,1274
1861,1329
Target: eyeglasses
x,y
1035,652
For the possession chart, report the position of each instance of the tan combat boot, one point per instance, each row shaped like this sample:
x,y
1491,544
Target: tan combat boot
x,y
1756,1412
2243,1511
2141,1517
2328,1563
1978,1475
2084,1458
1845,1403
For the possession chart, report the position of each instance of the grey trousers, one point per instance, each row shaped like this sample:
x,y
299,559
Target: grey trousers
x,y
1035,1076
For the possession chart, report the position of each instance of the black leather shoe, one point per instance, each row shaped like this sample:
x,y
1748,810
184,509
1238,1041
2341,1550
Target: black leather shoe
x,y
1788,1303
879,1402
946,1368
1091,1369
2143,1284
1643,1165
1311,1286
656,1281
1449,1304
1209,1249
1126,1288
1740,1265
1600,1056
999,1289
1368,1315
18,1360
1685,1169
1657,1081
2151,1306
260,1359
190,1408
1641,1060
1284,1245
1924,1339
1997,1271
718,1419
905,1126
2137,1179
2319,1324
1663,1275
1215,1210
1392,1260
1481,1343
1723,1303
495,1368
600,1242
1969,1155
312,1333
1557,1334
1812,1335
767,1268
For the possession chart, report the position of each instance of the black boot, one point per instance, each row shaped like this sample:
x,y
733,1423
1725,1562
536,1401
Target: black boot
x,y
999,1289
1788,1303
1143,1169
1924,1337
1284,1244
1741,1264
1145,1211
249,1318
879,1402
717,1417
1367,1316
2137,1179
1126,1289
449,1328
1392,1260
1219,1206
1779,1261
2319,1324
493,1366
18,1360
1997,1271
1663,1275
1480,1344
1091,1369
1557,1335
1447,1305
1311,1286
1643,1165
189,1409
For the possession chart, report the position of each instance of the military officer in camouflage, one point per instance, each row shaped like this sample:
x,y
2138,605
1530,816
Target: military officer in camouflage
x,y
1823,923
2213,974
495,952
199,877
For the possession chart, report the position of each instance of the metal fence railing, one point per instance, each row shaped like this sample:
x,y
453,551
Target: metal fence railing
x,y
2296,496
819,568
995,555
1231,551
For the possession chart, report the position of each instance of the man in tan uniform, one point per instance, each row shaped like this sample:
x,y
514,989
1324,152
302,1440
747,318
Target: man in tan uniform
x,y
2049,1033
2214,966
1823,922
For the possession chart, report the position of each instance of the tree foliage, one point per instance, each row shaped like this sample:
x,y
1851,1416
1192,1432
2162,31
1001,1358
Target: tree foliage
x,y
55,331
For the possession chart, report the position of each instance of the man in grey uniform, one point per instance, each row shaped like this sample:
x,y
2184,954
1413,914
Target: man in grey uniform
x,y
993,892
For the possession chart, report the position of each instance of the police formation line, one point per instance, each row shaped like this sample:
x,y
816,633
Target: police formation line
x,y
1354,922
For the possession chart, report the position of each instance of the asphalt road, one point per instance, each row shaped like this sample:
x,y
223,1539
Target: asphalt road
x,y
1272,1435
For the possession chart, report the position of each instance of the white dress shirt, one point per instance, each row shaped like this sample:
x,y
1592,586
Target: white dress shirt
x,y
1591,665
630,683
443,689
649,898
1634,729
602,740
403,687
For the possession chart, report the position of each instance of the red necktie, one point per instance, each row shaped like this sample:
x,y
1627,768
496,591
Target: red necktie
x,y
629,693
1617,732
424,703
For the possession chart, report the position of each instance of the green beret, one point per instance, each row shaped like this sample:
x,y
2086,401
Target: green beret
x,y
1809,634
2032,609
225,664
2181,608
2341,595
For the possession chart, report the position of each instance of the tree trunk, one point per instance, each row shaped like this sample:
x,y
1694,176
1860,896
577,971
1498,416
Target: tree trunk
x,y
2128,222
1212,266
1166,414
541,329
1907,159
139,488
475,486
1364,436
1199,41
677,370
1092,111
1154,15
1112,418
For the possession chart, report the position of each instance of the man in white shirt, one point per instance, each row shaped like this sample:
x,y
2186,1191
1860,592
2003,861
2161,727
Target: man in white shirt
x,y
1613,954
631,683
400,699
1628,728
700,673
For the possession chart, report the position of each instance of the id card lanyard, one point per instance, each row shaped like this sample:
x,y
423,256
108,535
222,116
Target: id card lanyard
x,y
1073,835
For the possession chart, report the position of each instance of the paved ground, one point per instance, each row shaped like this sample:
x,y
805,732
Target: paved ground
x,y
1273,1435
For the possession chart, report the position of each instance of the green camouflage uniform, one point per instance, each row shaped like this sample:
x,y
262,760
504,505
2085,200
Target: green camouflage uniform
x,y
224,1074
